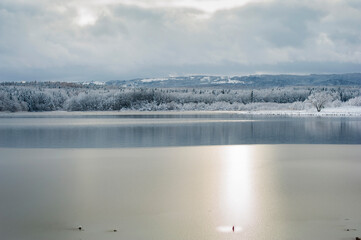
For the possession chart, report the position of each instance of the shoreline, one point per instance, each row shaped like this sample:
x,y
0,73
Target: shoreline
x,y
327,112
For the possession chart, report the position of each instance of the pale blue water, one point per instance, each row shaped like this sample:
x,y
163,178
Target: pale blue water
x,y
152,130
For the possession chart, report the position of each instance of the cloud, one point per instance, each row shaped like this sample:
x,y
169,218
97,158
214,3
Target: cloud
x,y
93,40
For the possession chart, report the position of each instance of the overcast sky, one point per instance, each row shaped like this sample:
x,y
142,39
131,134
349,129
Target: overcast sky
x,y
123,39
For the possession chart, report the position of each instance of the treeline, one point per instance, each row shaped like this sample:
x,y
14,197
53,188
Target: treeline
x,y
75,97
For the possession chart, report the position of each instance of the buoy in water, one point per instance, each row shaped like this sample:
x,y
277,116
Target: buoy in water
x,y
80,228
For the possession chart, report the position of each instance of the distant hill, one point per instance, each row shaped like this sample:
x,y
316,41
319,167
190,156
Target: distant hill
x,y
260,81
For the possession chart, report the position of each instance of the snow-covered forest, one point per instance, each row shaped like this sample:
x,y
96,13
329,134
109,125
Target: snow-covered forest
x,y
52,96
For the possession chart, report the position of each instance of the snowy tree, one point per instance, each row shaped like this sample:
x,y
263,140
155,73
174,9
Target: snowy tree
x,y
355,101
50,96
320,99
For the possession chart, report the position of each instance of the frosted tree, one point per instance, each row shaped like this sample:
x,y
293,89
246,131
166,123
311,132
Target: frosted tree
x,y
50,96
355,101
320,99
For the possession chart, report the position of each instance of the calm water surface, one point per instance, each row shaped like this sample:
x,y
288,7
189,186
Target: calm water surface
x,y
152,178
154,130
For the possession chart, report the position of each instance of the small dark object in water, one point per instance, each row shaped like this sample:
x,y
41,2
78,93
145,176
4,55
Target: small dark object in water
x,y
80,228
115,230
347,229
357,238
233,228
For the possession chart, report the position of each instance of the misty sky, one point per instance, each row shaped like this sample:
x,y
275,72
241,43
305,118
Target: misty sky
x,y
121,39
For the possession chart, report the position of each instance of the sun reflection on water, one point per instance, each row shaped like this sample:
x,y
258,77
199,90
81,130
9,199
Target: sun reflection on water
x,y
236,197
228,229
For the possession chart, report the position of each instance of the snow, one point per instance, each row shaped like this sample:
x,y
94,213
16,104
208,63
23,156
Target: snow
x,y
328,112
235,81
148,80
229,81
94,83
347,111
280,101
205,79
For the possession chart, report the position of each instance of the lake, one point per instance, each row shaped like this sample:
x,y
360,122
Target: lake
x,y
179,176
106,130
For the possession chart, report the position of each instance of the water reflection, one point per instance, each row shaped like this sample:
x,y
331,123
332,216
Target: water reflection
x,y
228,229
195,193
238,181
236,199
114,133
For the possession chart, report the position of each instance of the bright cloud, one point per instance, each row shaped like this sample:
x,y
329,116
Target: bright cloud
x,y
85,17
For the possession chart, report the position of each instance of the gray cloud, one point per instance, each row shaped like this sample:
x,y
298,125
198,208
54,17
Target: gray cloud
x,y
73,40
